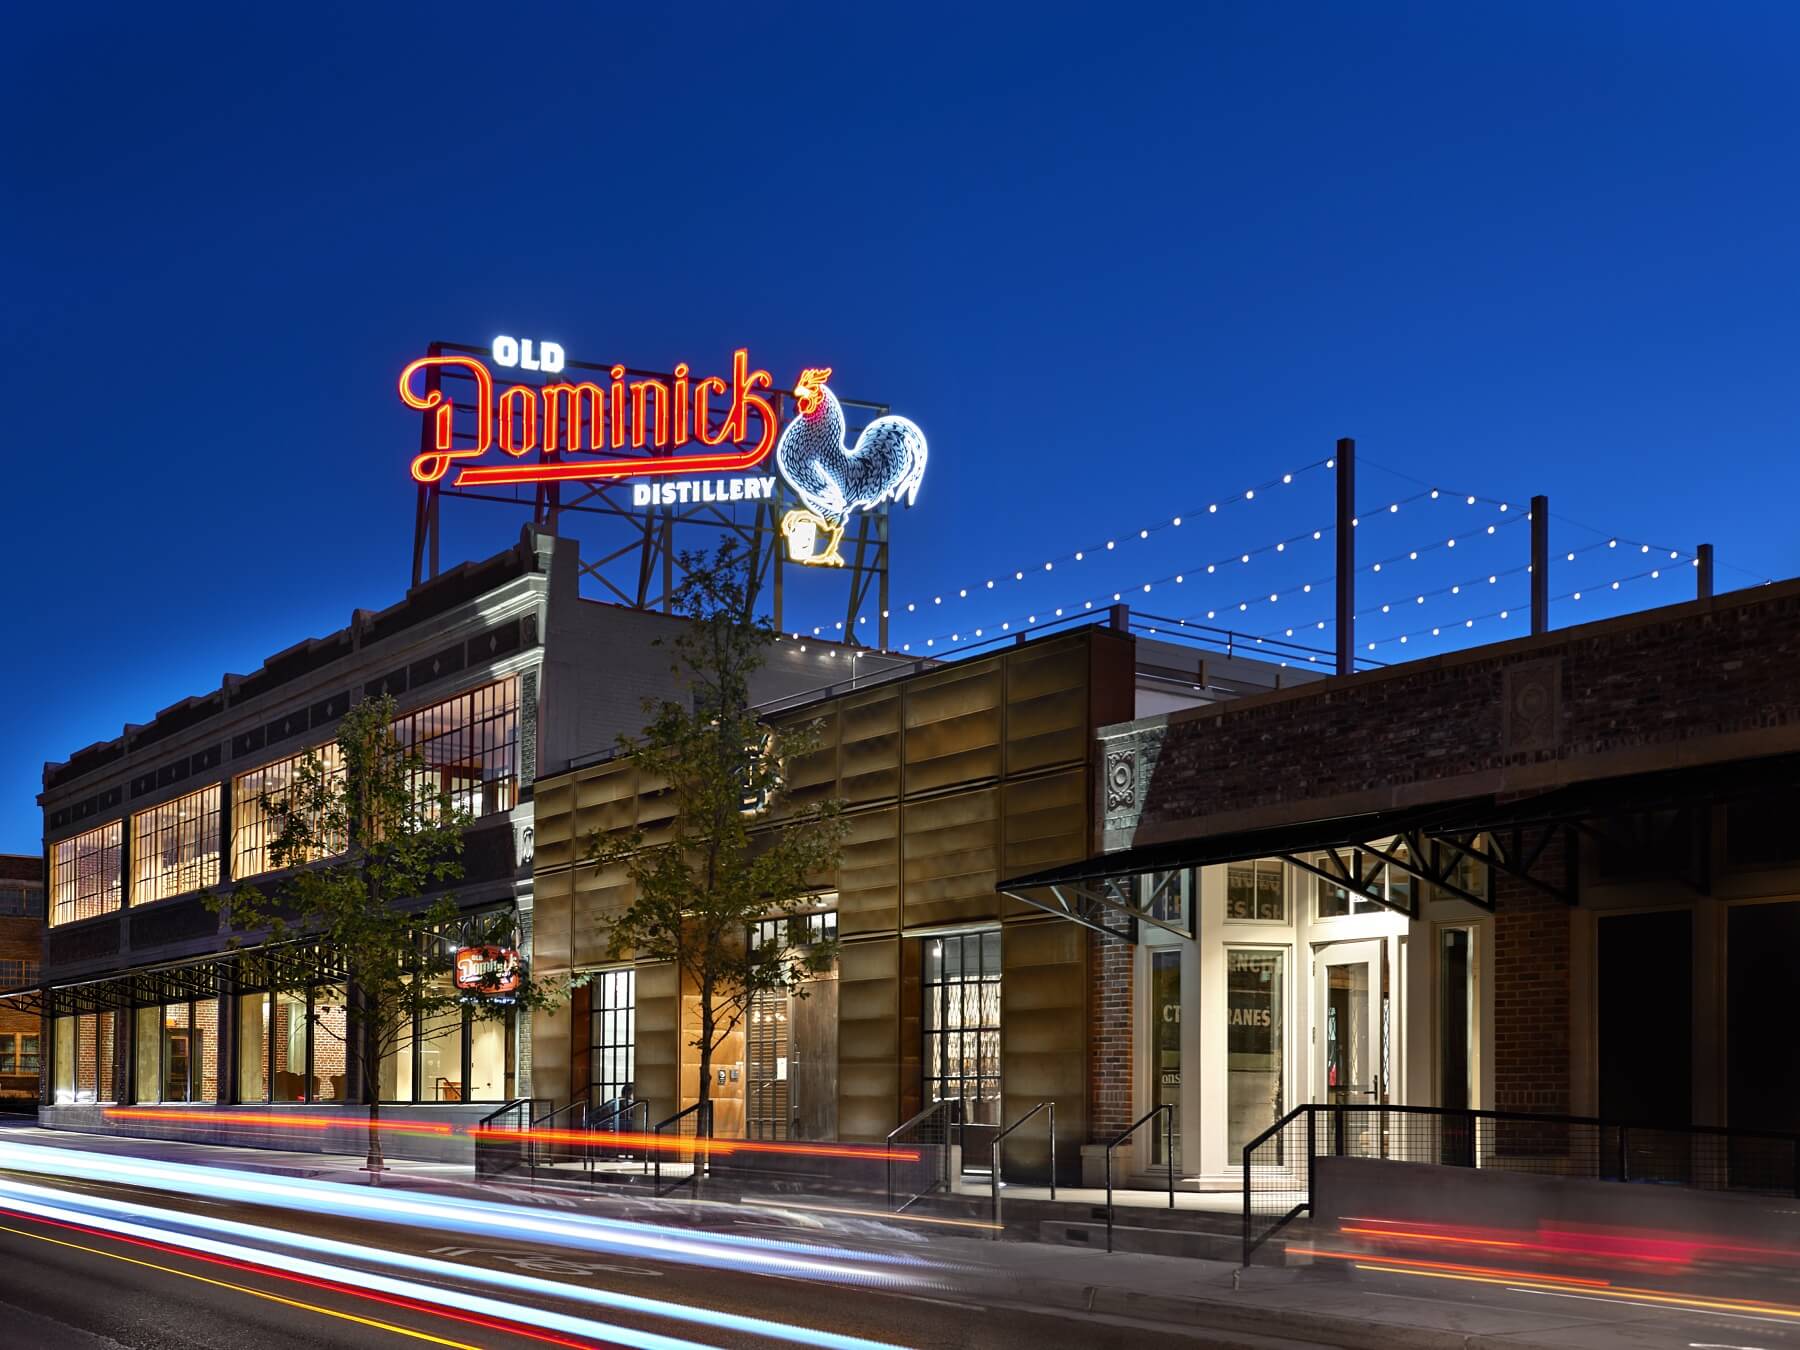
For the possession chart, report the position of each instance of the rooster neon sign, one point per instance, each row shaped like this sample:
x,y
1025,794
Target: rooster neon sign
x,y
833,479
571,424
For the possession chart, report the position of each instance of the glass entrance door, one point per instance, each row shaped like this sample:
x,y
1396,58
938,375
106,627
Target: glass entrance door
x,y
1347,1032
1165,1032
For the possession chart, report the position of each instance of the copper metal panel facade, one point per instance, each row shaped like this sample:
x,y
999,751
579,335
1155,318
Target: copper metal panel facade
x,y
949,859
870,764
951,780
953,726
1046,707
1044,1041
553,826
868,1052
658,1038
1046,823
869,874
813,777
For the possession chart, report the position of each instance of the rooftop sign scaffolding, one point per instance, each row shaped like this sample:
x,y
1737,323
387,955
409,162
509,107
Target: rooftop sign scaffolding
x,y
629,461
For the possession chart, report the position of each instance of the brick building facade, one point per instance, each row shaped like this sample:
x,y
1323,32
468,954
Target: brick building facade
x,y
21,953
1557,874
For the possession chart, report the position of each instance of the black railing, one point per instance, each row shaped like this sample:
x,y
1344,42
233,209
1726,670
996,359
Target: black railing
x,y
1280,1175
1142,1120
999,1139
619,1120
553,1152
503,1138
936,1125
693,1122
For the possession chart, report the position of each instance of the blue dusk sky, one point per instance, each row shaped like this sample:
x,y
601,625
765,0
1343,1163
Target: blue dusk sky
x,y
1120,264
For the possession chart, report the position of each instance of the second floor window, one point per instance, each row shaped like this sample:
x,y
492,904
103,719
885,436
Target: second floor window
x,y
175,847
84,875
18,974
26,900
470,746
254,825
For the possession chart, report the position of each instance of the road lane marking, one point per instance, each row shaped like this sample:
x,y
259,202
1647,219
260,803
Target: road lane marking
x,y
513,1317
245,1289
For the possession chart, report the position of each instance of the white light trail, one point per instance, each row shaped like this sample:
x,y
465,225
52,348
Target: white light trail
x,y
122,1217
479,1217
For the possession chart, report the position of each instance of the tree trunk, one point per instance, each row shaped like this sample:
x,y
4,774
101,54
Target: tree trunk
x,y
375,1163
704,1114
365,1054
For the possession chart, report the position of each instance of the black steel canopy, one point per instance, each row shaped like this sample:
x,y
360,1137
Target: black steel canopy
x,y
1511,834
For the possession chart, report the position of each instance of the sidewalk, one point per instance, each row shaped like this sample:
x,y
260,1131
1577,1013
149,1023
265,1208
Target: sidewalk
x,y
1325,1304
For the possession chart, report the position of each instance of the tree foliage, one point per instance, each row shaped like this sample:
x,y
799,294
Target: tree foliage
x,y
736,850
369,833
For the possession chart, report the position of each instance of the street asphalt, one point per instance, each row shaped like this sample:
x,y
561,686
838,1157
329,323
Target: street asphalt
x,y
678,1274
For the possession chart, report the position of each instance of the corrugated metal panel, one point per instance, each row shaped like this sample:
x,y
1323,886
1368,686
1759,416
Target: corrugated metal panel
x,y
953,726
950,851
870,726
658,1037
868,1071
869,874
1046,707
1044,1041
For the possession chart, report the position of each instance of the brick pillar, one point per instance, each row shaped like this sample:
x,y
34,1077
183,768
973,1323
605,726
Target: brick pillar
x,y
1110,977
1532,937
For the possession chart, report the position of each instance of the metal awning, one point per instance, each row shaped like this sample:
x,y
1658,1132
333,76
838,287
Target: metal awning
x,y
200,977
1507,834
31,1002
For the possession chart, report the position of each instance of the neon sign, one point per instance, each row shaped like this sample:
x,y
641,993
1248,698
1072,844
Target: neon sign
x,y
572,424
588,417
834,480
490,971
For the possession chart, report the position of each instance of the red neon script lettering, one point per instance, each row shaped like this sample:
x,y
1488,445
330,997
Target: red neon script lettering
x,y
429,467
589,419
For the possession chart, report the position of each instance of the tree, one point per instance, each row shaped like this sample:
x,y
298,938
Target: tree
x,y
737,850
369,835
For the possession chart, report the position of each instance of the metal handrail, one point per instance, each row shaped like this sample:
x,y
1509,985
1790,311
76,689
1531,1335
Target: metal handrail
x,y
549,1121
605,1123
702,1113
953,1105
1147,1116
519,1110
487,1121
994,1154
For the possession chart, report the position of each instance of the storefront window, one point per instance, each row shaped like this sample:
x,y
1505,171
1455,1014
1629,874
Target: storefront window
x,y
84,875
175,847
253,1048
1165,1014
440,1054
614,1034
330,1027
85,1048
287,1062
176,1056
1256,1043
1256,891
62,1073
396,1075
488,1043
962,1022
